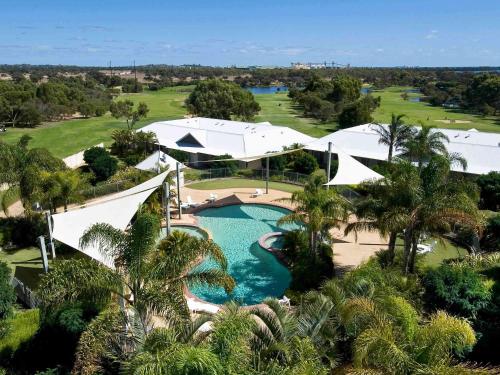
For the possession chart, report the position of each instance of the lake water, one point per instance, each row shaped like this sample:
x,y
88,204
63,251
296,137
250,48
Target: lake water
x,y
267,89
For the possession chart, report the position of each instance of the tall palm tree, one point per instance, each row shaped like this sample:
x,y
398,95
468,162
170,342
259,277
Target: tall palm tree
x,y
394,135
149,276
20,169
318,210
62,187
425,144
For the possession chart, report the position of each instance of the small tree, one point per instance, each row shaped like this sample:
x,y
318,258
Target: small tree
x,y
304,163
100,162
490,190
124,109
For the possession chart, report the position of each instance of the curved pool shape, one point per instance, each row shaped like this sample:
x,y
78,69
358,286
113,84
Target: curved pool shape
x,y
193,231
275,242
236,229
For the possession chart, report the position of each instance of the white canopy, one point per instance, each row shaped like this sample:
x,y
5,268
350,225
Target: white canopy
x,y
116,210
351,172
151,162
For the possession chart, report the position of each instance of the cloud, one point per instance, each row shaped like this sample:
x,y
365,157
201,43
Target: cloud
x,y
26,27
95,28
379,50
432,34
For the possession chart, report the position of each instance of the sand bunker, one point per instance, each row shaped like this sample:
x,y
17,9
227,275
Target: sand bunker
x,y
453,121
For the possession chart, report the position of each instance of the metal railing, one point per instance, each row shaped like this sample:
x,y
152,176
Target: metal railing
x,y
25,294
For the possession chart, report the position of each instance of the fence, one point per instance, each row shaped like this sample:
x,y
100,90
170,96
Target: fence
x,y
108,188
289,177
25,294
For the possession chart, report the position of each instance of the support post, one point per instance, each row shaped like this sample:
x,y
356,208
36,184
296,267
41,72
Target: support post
x,y
329,164
51,239
267,175
158,169
178,168
43,251
166,194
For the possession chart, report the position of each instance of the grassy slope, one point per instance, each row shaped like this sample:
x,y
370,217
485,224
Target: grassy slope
x,y
242,183
419,111
68,137
24,324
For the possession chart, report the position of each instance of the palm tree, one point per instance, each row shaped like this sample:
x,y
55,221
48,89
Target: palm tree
x,y
20,169
318,210
394,135
149,276
425,144
62,187
381,199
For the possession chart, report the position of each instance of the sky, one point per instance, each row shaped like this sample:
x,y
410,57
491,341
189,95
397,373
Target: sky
x,y
258,32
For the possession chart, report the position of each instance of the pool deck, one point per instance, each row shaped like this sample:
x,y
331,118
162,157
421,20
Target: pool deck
x,y
348,251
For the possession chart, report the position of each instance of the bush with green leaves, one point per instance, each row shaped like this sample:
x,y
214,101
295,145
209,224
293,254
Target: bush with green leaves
x,y
490,190
459,290
491,235
100,162
304,163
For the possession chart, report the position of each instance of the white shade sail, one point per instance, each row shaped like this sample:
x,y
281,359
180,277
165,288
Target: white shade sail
x,y
116,210
351,172
151,162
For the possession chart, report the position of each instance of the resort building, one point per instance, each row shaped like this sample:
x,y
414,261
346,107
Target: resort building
x,y
480,149
204,138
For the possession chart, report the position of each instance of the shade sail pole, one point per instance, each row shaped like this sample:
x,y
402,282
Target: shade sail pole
x,y
158,169
329,163
166,194
179,189
267,175
43,252
51,239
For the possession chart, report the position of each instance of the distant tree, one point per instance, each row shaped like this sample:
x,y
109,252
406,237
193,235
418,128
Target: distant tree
x,y
490,190
483,92
394,135
87,109
215,98
359,112
345,89
304,163
124,109
231,165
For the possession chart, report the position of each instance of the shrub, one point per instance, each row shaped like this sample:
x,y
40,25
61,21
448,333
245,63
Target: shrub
x,y
491,235
458,290
490,190
91,154
100,162
7,293
304,163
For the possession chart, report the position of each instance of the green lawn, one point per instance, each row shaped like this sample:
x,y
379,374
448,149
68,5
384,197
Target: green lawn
x,y
26,264
443,250
232,183
68,137
24,325
278,109
423,112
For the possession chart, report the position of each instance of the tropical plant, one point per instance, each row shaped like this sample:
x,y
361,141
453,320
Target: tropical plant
x,y
394,135
318,210
425,144
149,276
63,187
20,169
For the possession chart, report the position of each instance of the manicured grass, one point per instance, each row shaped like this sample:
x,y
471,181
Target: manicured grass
x,y
231,183
278,109
24,325
26,263
64,138
422,112
443,250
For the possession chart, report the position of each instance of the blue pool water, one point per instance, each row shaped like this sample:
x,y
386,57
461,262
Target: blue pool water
x,y
236,229
193,231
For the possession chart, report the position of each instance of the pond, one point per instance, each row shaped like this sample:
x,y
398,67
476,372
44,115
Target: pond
x,y
267,89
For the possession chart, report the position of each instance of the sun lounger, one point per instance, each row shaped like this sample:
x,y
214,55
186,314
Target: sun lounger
x,y
258,193
285,301
191,203
213,197
197,306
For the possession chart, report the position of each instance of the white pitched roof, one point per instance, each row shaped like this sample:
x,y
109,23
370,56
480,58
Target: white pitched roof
x,y
151,162
218,137
480,149
116,210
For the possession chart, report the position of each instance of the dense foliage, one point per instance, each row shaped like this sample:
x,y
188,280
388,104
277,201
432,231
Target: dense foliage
x,y
219,99
489,185
100,162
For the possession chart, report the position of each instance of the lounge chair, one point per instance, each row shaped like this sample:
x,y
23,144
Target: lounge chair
x,y
191,203
201,307
285,301
258,193
212,198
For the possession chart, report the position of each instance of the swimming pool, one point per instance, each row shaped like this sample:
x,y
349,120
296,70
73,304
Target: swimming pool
x,y
193,231
236,229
